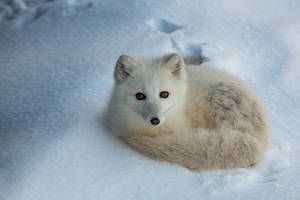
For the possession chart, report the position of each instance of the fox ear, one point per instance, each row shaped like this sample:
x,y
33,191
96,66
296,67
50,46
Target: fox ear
x,y
175,63
124,67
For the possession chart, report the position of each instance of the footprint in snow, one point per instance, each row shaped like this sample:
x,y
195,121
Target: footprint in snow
x,y
28,16
72,8
164,26
192,53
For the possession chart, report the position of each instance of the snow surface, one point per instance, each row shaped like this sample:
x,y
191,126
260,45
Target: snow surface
x,y
56,65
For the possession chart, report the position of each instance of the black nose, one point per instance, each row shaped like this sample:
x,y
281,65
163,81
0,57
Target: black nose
x,y
155,121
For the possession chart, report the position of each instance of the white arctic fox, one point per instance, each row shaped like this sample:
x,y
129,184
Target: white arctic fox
x,y
194,116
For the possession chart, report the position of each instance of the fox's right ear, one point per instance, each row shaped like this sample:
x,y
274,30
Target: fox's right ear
x,y
124,67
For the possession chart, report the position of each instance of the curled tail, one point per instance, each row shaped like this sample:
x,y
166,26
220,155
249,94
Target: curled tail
x,y
201,150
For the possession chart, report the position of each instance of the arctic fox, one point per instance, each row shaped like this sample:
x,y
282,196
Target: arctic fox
x,y
195,116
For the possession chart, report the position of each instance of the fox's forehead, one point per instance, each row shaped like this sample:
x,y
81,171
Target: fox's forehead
x,y
151,76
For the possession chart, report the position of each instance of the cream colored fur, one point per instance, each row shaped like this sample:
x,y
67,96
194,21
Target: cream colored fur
x,y
213,121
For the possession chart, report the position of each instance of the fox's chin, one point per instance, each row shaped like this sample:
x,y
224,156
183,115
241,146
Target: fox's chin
x,y
152,125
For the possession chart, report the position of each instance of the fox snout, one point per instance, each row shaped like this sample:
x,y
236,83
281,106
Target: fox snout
x,y
154,115
154,120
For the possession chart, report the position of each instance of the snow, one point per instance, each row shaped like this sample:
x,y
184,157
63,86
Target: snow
x,y
56,65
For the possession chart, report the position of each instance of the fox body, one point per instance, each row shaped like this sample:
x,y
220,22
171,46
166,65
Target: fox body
x,y
194,116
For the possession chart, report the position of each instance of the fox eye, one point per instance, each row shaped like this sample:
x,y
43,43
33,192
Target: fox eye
x,y
140,96
164,94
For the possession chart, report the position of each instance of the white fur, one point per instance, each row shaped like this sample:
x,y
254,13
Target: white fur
x,y
210,120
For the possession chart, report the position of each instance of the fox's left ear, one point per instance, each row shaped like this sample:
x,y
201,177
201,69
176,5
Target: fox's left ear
x,y
175,63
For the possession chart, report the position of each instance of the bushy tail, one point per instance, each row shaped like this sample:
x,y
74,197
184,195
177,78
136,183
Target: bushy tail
x,y
201,150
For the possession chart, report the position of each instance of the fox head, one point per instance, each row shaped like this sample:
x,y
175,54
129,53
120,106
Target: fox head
x,y
151,88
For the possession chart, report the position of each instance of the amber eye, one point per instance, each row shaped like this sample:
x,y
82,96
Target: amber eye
x,y
140,96
164,94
